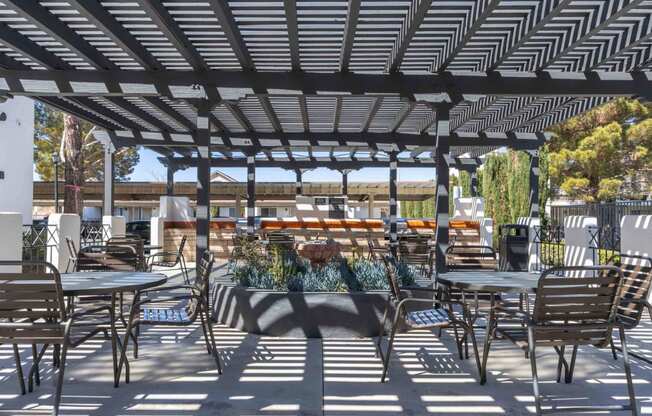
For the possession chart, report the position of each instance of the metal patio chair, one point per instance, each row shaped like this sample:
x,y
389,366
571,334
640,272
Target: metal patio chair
x,y
192,305
376,251
171,260
134,242
438,314
72,255
637,273
471,257
573,311
118,257
280,239
33,312
417,252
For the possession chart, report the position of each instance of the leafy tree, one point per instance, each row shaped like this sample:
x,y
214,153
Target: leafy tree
x,y
465,183
603,154
49,129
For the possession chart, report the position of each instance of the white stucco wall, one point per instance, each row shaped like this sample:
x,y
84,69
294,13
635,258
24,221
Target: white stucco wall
x,y
16,157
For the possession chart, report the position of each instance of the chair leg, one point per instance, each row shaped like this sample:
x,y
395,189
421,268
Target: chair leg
x,y
123,352
628,373
60,378
204,330
184,270
561,362
381,330
491,327
33,372
216,355
613,349
533,363
19,370
571,368
390,344
470,333
37,376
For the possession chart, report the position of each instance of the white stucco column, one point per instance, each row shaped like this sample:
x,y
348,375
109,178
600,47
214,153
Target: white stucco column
x,y
62,226
636,235
157,237
577,238
486,231
533,263
11,243
117,226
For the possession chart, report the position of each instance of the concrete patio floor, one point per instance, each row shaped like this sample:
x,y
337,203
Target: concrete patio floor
x,y
281,376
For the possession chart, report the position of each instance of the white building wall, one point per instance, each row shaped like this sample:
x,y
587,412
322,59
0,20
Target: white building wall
x,y
16,157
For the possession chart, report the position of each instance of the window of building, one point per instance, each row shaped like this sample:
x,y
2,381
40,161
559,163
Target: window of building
x,y
268,212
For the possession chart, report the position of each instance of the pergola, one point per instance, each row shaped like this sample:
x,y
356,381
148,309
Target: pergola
x,y
340,84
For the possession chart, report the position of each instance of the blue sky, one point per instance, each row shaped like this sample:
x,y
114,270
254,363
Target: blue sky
x,y
150,169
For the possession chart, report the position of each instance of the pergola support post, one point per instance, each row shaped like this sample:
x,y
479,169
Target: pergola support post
x,y
442,154
345,182
203,180
108,202
534,184
299,182
474,183
169,188
251,194
393,232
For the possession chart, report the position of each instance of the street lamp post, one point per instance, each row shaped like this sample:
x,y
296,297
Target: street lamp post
x,y
56,160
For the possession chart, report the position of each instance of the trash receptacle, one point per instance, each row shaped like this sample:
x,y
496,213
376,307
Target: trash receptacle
x,y
513,247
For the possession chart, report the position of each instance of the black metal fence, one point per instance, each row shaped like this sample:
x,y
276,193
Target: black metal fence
x,y
608,214
549,245
39,241
93,233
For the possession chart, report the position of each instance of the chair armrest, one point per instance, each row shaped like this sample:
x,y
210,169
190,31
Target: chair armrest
x,y
166,299
431,301
165,288
160,254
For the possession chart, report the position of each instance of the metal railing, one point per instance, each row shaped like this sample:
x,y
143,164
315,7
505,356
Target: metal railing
x,y
93,233
39,241
608,214
548,246
604,243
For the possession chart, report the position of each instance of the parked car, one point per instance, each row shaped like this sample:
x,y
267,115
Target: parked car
x,y
140,228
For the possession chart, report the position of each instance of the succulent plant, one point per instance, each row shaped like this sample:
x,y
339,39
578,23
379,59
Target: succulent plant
x,y
285,270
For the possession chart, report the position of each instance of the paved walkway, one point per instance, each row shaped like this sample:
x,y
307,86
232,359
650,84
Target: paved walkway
x,y
277,376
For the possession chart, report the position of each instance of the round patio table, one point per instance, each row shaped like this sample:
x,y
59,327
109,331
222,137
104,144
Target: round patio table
x,y
107,283
112,284
492,282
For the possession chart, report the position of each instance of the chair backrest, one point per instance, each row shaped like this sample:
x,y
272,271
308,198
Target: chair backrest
x,y
72,250
132,241
637,275
589,299
201,285
182,245
28,298
375,250
109,258
414,251
392,277
282,240
471,257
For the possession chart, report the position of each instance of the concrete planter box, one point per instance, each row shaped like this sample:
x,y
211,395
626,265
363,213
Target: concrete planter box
x,y
300,314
